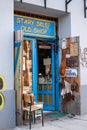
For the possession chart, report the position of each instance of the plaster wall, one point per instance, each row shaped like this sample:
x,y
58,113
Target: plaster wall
x,y
35,2
64,26
57,4
7,113
6,42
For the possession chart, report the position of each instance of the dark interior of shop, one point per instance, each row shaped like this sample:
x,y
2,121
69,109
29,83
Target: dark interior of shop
x,y
44,51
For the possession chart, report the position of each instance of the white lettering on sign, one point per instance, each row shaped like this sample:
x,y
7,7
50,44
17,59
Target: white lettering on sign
x,y
71,72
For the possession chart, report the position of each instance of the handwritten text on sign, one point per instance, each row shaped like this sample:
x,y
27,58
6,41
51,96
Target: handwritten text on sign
x,y
34,27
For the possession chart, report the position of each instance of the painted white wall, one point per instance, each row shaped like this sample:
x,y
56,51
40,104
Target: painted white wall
x,y
56,4
6,42
78,28
64,26
36,2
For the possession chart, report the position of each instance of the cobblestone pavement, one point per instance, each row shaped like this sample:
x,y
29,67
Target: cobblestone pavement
x,y
65,123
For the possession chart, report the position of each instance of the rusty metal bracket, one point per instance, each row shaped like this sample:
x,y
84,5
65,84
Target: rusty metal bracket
x,y
85,8
45,3
66,4
21,1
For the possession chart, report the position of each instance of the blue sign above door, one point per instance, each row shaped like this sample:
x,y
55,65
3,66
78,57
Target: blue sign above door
x,y
35,27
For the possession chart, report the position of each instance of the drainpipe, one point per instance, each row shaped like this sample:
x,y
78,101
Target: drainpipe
x,y
44,3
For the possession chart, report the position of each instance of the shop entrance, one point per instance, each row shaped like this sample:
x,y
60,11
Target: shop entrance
x,y
29,67
36,72
46,72
39,71
36,62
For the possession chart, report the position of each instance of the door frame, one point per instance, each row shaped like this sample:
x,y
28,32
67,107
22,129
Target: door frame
x,y
55,86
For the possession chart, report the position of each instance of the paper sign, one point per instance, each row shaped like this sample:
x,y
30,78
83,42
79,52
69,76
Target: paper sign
x,y
64,44
47,61
71,72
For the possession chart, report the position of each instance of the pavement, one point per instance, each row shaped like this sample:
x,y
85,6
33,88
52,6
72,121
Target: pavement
x,y
67,122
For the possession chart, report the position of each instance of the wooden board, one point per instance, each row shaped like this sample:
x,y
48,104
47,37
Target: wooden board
x,y
74,49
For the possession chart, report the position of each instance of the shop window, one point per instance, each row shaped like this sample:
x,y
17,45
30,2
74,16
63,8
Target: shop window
x,y
27,65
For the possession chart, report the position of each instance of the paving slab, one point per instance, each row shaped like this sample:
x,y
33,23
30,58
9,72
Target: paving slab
x,y
64,123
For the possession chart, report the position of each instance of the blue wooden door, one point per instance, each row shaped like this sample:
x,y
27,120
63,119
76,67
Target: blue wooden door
x,y
46,90
57,77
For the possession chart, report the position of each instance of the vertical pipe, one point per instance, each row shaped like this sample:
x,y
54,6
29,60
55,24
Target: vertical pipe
x,y
21,1
85,8
34,69
66,5
53,74
44,3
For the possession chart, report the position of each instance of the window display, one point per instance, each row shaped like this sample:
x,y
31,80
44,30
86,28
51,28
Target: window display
x,y
27,65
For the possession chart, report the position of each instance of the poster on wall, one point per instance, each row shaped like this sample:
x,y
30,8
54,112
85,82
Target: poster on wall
x,y
71,72
47,61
